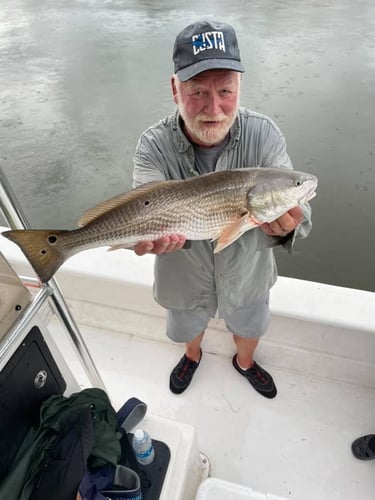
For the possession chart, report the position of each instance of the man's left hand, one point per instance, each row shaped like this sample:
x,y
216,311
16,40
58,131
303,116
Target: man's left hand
x,y
285,223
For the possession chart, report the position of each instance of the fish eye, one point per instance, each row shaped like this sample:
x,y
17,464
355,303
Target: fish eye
x,y
147,202
297,183
52,239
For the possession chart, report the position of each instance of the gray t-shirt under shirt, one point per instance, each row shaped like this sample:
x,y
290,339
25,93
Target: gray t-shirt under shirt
x,y
206,158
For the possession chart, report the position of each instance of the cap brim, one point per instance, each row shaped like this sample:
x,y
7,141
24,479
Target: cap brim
x,y
194,70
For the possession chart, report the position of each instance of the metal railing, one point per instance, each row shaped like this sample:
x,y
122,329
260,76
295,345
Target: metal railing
x,y
13,214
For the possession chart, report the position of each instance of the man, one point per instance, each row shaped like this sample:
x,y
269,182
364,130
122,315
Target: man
x,y
209,132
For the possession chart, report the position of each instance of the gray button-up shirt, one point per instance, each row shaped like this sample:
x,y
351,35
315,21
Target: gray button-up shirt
x,y
242,272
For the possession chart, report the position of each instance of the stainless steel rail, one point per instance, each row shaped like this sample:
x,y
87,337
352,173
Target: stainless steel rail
x,y
13,214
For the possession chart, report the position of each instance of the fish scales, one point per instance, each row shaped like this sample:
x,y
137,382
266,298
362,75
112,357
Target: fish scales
x,y
190,215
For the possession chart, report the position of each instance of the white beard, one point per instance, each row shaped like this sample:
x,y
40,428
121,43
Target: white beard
x,y
206,135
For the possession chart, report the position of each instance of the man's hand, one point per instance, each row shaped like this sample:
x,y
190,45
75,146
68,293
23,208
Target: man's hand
x,y
166,244
285,223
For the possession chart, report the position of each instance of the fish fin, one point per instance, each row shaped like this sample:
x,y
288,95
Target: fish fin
x,y
234,230
217,236
93,213
41,248
120,246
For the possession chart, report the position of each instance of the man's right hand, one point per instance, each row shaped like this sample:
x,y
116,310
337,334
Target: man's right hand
x,y
166,244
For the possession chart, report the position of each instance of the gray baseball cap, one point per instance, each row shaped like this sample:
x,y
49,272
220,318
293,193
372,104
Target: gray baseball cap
x,y
206,45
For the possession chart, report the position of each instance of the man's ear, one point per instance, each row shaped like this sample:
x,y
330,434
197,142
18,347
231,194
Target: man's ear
x,y
174,89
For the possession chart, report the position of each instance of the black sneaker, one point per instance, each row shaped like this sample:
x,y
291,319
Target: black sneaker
x,y
258,378
364,447
182,374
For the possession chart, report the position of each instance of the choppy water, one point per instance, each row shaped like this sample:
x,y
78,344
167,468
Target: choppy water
x,y
80,80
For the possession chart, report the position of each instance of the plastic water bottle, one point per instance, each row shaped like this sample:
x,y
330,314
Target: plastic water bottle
x,y
143,447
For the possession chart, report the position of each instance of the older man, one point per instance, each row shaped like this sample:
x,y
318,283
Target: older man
x,y
210,132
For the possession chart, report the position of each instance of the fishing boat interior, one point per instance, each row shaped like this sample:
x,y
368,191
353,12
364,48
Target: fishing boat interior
x,y
96,324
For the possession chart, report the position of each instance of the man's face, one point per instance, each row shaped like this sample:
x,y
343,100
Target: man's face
x,y
208,104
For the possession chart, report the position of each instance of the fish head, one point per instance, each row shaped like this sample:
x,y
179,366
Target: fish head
x,y
277,190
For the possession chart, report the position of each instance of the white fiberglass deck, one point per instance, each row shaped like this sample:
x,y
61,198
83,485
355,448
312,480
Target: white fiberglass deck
x,y
320,349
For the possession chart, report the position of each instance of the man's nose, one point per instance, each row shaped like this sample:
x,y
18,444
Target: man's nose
x,y
213,104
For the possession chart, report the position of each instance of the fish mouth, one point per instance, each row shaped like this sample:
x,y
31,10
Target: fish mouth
x,y
310,194
307,197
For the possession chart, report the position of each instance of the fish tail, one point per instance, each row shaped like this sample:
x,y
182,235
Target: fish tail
x,y
42,248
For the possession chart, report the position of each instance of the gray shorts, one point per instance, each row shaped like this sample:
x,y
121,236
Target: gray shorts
x,y
250,322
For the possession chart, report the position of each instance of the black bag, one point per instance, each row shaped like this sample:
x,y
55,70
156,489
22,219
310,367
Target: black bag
x,y
65,464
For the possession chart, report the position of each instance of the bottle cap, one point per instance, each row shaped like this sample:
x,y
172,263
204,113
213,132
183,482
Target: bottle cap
x,y
139,434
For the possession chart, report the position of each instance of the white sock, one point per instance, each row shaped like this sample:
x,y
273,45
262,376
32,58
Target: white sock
x,y
242,368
